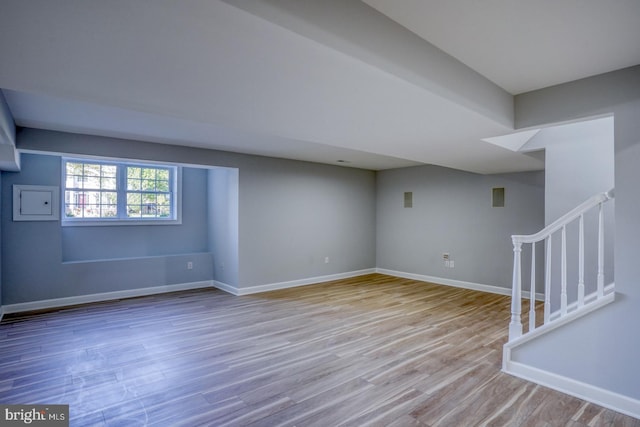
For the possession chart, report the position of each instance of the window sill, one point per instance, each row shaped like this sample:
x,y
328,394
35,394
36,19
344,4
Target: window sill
x,y
118,222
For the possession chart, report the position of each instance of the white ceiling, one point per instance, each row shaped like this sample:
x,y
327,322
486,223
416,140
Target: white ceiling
x,y
527,45
321,80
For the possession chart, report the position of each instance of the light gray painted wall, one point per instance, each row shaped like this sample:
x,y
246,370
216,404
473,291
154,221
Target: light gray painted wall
x,y
9,158
294,214
36,254
601,349
7,127
452,213
79,243
223,224
579,164
291,214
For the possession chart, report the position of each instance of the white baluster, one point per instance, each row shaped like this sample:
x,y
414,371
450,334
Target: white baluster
x,y
515,326
581,263
547,283
532,290
600,251
563,291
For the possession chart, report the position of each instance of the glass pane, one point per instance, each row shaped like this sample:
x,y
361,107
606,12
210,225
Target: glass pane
x,y
91,169
133,199
109,198
133,184
133,172
71,210
74,168
148,185
162,185
109,211
109,170
133,211
164,211
149,173
92,182
163,174
92,197
73,181
108,183
92,211
149,198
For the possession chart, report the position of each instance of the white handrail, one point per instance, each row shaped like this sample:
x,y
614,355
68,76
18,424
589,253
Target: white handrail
x,y
515,326
565,219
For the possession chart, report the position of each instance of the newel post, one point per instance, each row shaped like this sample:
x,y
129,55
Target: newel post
x,y
515,326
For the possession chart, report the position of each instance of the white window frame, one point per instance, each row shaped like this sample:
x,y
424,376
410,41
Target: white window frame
x,y
121,184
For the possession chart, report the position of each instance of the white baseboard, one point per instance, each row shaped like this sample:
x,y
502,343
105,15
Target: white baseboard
x,y
456,283
617,402
290,284
227,288
105,296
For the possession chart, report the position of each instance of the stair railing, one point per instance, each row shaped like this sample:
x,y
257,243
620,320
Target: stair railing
x,y
515,326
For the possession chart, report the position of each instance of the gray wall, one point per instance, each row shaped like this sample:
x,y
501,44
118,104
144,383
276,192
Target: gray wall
x,y
579,160
7,127
291,214
294,214
94,243
42,260
601,349
223,224
452,213
9,157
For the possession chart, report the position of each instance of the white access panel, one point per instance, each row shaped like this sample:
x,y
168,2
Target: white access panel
x,y
35,203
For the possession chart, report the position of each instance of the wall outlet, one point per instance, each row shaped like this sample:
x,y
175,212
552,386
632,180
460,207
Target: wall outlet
x,y
451,264
326,260
189,265
446,263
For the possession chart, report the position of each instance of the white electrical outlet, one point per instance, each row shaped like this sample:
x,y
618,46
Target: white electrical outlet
x,y
451,264
189,265
326,260
446,264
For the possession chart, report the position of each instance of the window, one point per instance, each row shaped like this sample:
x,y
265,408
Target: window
x,y
119,192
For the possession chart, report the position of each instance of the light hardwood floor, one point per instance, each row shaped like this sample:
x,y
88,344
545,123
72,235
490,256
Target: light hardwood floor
x,y
373,350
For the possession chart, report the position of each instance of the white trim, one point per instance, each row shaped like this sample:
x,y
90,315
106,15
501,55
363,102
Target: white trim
x,y
224,287
456,283
560,321
122,219
105,296
609,296
609,399
290,284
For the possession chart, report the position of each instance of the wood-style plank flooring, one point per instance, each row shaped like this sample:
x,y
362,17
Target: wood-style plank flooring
x,y
369,351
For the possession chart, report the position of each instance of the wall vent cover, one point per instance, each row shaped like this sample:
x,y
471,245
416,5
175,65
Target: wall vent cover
x,y
408,199
497,197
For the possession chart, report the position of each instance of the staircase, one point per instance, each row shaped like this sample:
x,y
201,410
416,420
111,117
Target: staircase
x,y
562,258
568,307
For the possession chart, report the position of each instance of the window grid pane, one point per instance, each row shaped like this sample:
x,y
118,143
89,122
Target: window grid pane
x,y
91,191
